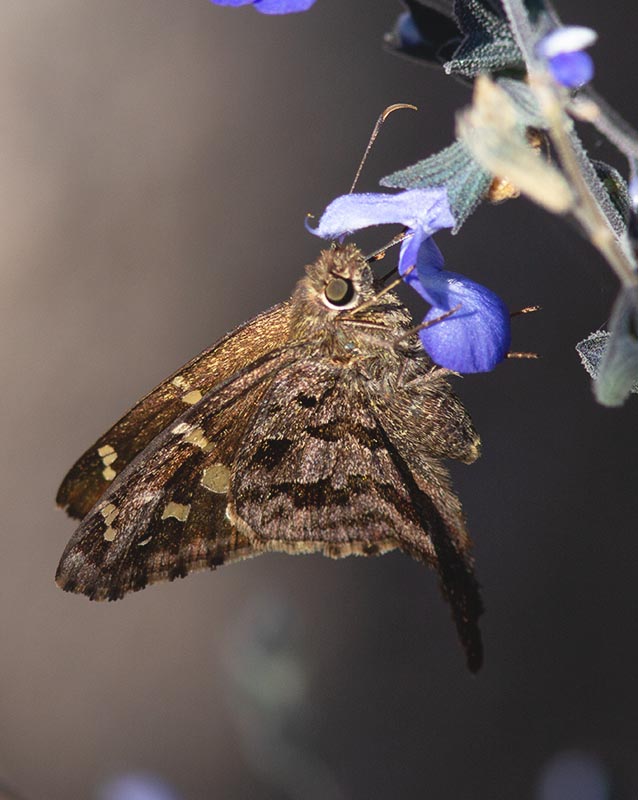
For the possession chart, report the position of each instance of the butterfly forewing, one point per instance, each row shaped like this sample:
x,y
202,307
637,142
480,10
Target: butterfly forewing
x,y
95,471
165,515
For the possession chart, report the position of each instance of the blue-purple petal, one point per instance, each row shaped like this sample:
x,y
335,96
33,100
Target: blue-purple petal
x,y
563,51
270,6
477,336
423,254
409,253
565,39
283,6
408,33
423,210
232,2
572,69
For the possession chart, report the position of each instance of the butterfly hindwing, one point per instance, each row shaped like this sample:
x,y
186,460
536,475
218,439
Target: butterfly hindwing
x,y
426,421
312,474
424,396
95,471
322,470
165,514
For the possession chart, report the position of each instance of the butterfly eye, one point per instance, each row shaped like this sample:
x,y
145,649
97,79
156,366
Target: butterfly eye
x,y
339,292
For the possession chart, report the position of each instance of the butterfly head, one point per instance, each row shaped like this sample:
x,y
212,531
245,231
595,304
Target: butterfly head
x,y
339,287
339,280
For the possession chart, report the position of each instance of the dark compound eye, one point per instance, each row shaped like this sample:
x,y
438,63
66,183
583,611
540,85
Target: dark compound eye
x,y
339,292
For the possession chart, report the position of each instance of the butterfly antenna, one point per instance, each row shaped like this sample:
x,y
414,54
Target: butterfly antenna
x,y
375,132
526,310
380,253
428,323
520,312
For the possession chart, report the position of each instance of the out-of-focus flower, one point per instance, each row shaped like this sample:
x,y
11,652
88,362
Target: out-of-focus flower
x,y
574,774
477,335
563,50
270,6
136,786
407,32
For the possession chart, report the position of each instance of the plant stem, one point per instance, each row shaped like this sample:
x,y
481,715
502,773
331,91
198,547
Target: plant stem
x,y
587,209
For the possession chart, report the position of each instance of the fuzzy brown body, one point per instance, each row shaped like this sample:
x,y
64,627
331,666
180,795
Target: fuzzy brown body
x,y
316,427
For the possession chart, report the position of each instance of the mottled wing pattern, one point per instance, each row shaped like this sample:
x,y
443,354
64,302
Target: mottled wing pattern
x,y
427,421
165,514
314,472
96,470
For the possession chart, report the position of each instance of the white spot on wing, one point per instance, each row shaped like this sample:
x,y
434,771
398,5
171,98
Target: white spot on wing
x,y
216,478
192,397
178,511
197,437
109,512
109,534
108,455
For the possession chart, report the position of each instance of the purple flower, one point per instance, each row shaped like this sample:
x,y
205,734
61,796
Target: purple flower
x,y
562,49
476,336
270,6
406,31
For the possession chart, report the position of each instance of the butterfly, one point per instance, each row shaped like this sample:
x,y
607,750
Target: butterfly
x,y
316,427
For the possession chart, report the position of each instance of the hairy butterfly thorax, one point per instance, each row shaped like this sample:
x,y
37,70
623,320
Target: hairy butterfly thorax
x,y
316,427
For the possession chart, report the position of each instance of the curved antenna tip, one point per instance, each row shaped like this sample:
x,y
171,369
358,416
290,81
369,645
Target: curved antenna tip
x,y
375,132
396,107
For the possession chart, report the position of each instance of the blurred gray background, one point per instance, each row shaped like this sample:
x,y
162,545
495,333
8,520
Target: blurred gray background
x,y
157,160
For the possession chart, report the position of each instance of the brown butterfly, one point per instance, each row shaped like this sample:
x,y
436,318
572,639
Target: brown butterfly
x,y
316,427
